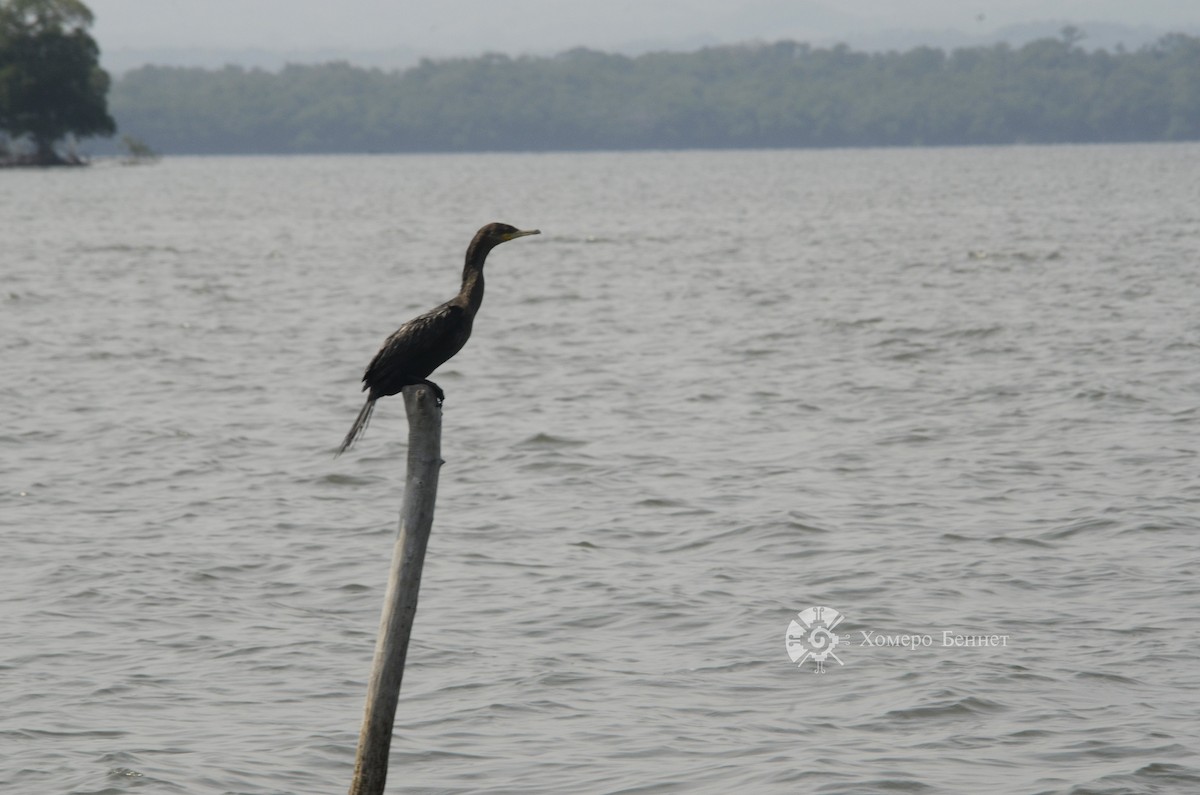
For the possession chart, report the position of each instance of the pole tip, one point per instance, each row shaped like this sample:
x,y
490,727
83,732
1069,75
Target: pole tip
x,y
424,396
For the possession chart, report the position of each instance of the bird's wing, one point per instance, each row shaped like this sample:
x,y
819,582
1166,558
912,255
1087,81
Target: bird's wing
x,y
417,341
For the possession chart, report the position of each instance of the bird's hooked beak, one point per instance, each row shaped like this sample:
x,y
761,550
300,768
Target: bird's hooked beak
x,y
519,233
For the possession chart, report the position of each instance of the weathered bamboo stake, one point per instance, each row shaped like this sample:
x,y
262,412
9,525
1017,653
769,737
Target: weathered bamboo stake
x,y
400,604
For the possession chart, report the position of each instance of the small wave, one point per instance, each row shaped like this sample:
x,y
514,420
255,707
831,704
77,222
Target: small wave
x,y
1103,676
1097,394
973,332
1082,526
549,440
1154,777
963,707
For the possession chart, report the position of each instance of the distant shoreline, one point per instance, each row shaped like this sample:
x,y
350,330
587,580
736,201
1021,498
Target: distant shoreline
x,y
33,161
786,94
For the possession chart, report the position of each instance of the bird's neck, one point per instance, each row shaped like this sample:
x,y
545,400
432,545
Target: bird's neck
x,y
472,283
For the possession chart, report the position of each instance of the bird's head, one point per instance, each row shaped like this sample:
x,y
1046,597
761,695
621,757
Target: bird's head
x,y
495,234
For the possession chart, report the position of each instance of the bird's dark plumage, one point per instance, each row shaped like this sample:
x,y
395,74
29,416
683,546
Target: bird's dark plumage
x,y
424,343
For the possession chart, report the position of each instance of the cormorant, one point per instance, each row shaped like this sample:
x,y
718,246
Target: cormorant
x,y
424,343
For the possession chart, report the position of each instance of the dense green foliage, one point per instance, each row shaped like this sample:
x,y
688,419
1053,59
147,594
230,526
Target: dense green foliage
x,y
777,95
51,84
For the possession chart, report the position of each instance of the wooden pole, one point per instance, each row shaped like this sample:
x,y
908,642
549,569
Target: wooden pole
x,y
400,604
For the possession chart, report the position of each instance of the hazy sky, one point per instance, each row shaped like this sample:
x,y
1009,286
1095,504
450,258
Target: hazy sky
x,y
539,26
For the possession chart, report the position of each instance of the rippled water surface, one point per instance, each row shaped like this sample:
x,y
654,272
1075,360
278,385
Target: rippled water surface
x,y
941,392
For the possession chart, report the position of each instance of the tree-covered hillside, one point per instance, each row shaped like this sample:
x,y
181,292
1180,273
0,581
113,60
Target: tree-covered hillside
x,y
777,95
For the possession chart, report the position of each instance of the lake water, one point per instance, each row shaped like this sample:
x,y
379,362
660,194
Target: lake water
x,y
951,396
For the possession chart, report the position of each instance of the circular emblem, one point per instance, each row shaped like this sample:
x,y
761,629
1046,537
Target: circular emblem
x,y
810,635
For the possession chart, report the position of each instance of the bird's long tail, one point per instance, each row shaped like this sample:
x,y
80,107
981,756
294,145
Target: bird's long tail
x,y
360,425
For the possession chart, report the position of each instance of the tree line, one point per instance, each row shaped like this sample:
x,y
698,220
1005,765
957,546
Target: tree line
x,y
784,94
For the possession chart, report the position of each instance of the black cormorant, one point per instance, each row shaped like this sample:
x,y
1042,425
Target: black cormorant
x,y
424,343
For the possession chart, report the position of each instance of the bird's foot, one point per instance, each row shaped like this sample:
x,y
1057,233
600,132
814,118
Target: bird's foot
x,y
437,392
